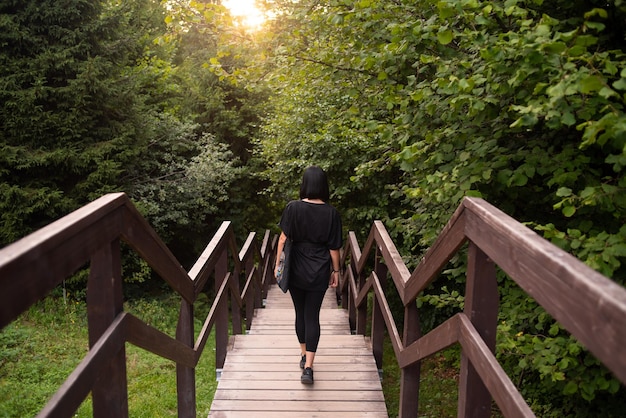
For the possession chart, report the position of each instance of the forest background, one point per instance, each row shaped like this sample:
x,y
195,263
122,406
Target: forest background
x,y
409,105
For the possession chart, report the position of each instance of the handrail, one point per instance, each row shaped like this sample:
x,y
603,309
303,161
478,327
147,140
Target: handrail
x,y
554,278
31,267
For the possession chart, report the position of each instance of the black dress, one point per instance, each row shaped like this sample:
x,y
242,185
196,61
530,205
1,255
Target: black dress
x,y
315,229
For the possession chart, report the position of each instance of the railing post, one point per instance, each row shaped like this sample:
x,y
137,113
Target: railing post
x,y
251,296
410,376
104,303
186,376
235,311
481,307
267,258
221,314
361,311
258,289
378,321
267,274
346,296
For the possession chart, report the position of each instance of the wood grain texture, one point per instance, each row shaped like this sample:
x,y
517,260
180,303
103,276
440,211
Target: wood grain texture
x,y
589,305
261,375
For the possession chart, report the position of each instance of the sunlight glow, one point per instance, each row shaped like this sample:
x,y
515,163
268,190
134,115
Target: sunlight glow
x,y
246,11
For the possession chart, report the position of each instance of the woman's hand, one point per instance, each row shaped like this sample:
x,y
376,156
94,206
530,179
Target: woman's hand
x,y
334,279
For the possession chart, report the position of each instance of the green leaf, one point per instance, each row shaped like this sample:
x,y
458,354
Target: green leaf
x,y
371,125
596,12
445,37
570,388
596,25
337,19
554,330
576,51
569,211
568,119
554,47
590,84
618,250
607,92
586,40
620,84
518,179
445,11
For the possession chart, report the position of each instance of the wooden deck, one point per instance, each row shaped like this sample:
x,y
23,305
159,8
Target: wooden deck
x,y
261,376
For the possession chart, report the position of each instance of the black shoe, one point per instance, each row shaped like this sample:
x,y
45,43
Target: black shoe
x,y
307,376
302,362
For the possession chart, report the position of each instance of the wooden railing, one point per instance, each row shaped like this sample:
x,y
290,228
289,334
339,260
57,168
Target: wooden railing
x,y
589,305
33,266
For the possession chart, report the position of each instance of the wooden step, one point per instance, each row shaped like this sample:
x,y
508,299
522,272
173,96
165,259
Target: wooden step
x,y
261,375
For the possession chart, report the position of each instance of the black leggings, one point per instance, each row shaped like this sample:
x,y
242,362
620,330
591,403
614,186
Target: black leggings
x,y
307,305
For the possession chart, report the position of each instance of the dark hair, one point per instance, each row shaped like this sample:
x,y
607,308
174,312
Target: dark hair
x,y
314,184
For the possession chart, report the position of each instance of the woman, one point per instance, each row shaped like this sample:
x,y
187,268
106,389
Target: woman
x,y
314,227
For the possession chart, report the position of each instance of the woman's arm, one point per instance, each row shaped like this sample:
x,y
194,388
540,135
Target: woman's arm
x,y
334,276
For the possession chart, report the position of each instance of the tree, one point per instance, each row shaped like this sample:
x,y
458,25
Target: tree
x,y
72,112
218,63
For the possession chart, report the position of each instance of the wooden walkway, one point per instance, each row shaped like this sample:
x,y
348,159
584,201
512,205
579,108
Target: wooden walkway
x,y
261,376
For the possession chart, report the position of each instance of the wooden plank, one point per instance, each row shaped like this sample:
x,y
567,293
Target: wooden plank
x,y
322,352
294,375
285,341
302,406
203,266
295,414
338,385
298,394
270,360
347,368
290,332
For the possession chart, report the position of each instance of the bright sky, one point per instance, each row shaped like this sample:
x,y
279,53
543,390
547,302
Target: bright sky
x,y
246,10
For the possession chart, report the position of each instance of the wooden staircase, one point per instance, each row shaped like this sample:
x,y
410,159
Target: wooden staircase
x,y
261,375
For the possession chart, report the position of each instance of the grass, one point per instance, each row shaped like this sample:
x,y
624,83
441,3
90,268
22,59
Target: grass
x,y
438,384
40,349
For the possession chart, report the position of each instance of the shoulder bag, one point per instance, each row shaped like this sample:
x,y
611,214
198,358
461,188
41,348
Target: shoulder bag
x,y
284,268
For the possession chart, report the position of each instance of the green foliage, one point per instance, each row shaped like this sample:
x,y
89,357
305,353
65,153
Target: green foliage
x,y
555,373
179,186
